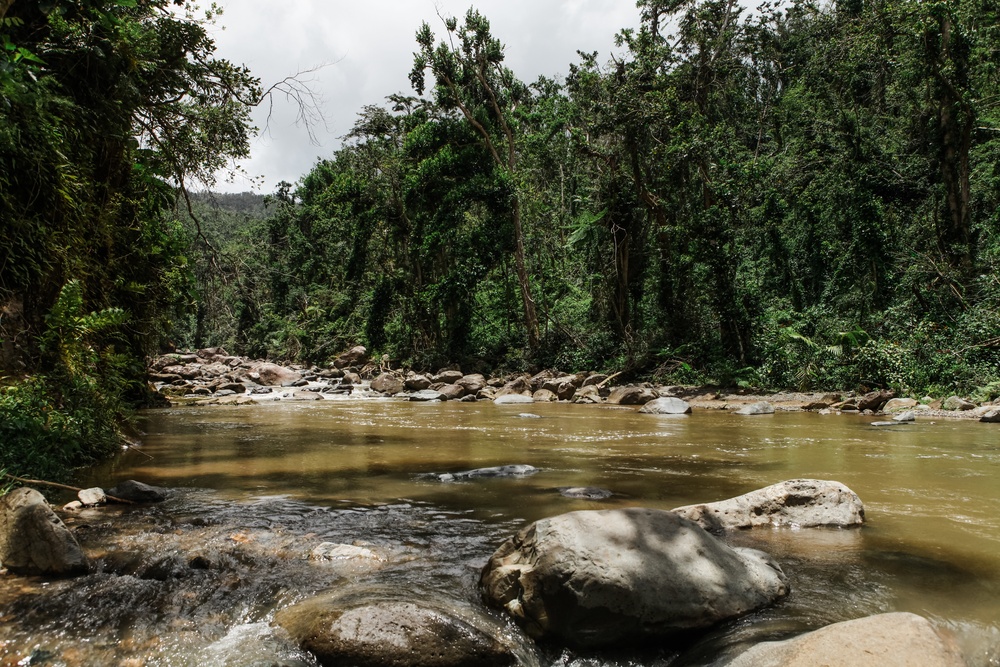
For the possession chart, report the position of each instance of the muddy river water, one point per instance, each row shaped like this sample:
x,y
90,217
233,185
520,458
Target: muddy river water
x,y
196,580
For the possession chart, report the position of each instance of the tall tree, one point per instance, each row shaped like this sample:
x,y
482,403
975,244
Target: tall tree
x,y
469,76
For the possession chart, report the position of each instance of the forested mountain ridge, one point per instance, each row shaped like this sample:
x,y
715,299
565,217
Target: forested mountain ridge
x,y
804,195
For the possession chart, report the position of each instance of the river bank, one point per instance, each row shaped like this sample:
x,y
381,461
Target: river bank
x,y
212,377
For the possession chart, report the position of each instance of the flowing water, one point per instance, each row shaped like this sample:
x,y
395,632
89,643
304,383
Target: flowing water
x,y
197,579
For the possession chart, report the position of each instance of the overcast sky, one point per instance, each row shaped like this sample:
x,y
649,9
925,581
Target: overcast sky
x,y
369,45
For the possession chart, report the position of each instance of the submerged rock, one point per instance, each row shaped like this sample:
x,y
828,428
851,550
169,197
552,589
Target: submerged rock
x,y
33,540
804,503
367,632
585,492
612,577
514,470
885,640
138,492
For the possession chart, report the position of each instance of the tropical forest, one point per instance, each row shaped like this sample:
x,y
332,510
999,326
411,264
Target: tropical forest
x,y
796,196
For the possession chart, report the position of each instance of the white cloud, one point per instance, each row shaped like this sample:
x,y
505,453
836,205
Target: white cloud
x,y
369,44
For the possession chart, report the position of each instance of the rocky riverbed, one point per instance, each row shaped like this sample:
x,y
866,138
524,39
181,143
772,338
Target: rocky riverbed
x,y
212,376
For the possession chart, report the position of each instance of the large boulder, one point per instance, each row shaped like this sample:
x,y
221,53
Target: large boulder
x,y
273,375
875,400
666,406
366,631
32,538
544,396
387,383
886,640
991,416
588,393
416,382
957,403
137,492
518,385
895,404
631,395
451,392
356,354
804,503
447,376
472,384
613,577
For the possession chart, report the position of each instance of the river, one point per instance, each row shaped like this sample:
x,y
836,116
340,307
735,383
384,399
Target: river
x,y
196,580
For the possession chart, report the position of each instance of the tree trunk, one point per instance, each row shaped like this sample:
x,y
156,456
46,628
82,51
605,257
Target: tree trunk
x,y
530,314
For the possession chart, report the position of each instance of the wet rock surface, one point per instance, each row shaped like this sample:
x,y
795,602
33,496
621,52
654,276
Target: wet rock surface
x,y
138,492
611,577
668,405
33,540
802,503
513,470
884,640
364,631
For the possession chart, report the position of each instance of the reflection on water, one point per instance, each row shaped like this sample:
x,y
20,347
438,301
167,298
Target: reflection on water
x,y
261,486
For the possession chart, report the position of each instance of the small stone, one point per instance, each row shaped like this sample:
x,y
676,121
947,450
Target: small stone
x,y
138,492
92,496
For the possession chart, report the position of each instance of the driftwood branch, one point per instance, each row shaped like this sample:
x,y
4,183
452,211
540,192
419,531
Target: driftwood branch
x,y
57,485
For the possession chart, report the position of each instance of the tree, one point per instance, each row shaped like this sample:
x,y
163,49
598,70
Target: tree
x,y
469,76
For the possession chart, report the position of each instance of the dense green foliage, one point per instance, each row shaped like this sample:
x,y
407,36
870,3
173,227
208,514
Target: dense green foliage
x,y
106,108
801,196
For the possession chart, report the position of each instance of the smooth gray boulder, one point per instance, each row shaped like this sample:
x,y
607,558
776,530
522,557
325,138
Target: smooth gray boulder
x,y
668,405
614,577
388,383
452,392
369,631
908,416
416,383
758,408
446,376
803,503
472,383
886,640
631,396
33,540
138,492
512,399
